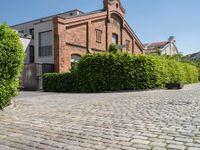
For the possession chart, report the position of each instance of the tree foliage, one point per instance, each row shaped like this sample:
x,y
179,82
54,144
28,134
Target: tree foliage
x,y
11,62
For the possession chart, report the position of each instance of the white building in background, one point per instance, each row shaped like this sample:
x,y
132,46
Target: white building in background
x,y
26,45
162,48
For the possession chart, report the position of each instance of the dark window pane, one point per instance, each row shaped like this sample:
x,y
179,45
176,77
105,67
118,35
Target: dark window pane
x,y
115,38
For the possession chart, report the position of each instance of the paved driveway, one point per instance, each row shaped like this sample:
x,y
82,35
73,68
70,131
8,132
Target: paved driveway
x,y
157,120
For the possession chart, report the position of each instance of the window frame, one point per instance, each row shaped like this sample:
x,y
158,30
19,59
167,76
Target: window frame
x,y
128,44
75,61
99,35
31,31
116,38
31,54
48,49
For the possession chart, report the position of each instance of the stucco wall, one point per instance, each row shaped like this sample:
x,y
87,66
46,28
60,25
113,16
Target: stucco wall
x,y
25,42
170,49
43,27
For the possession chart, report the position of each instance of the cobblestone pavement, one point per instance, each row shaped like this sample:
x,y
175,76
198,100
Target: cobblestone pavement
x,y
154,120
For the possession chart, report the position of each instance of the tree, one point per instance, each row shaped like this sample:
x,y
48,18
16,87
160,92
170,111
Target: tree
x,y
11,63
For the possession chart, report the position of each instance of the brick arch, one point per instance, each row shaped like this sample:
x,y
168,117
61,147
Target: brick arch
x,y
116,14
75,57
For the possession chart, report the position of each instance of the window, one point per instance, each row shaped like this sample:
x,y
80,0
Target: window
x,y
31,54
45,51
21,31
115,38
74,59
98,36
45,44
31,31
128,45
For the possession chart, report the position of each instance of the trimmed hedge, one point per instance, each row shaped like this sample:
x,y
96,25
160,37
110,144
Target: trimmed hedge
x,y
197,63
112,72
11,61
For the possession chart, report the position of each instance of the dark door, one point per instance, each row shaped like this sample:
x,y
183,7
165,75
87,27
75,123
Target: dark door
x,y
32,57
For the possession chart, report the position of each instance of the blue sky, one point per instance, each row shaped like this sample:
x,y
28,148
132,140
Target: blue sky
x,y
152,20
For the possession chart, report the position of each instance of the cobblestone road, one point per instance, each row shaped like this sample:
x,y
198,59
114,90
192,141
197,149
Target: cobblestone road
x,y
154,120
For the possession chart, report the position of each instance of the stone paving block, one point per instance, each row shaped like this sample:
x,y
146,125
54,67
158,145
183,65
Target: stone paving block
x,y
192,148
158,144
185,140
158,148
177,147
98,147
139,141
141,146
193,145
166,137
140,137
132,120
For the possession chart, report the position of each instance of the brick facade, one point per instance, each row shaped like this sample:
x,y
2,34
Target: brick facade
x,y
77,35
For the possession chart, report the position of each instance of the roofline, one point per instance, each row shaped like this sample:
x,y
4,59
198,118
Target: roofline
x,y
46,17
84,14
154,43
176,47
135,35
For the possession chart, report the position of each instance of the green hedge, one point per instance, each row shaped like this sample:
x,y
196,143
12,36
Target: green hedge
x,y
112,72
11,61
63,82
197,63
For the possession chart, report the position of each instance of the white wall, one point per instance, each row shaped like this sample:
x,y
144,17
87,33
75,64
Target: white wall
x,y
25,27
26,42
170,49
43,27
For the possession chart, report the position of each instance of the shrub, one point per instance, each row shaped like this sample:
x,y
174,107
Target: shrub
x,y
197,63
111,72
114,48
11,61
55,82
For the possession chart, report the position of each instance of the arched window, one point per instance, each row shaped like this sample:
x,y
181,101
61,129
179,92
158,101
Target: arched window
x,y
74,59
117,20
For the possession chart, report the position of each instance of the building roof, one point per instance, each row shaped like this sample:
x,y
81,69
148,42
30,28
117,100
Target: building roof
x,y
194,55
153,46
66,14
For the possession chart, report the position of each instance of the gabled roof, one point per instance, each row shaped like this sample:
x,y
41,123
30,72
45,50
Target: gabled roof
x,y
153,46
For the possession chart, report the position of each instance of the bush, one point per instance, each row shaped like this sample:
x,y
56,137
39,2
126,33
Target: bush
x,y
55,82
11,61
112,72
114,48
197,63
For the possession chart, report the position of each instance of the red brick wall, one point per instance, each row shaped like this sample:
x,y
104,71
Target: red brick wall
x,y
127,36
114,29
100,25
137,50
78,35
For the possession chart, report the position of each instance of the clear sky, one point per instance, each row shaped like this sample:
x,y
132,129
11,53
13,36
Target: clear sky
x,y
152,20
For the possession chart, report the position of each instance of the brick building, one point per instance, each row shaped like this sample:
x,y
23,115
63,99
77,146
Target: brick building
x,y
63,38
